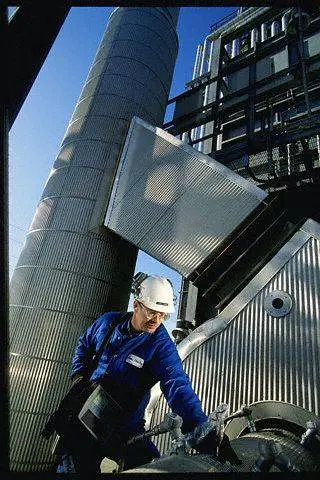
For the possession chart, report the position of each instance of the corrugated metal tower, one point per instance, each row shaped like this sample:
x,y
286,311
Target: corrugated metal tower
x,y
71,266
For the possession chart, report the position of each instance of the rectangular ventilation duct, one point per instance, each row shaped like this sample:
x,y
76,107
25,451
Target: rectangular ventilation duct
x,y
173,202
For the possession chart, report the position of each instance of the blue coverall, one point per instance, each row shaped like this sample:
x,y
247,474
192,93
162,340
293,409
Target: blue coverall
x,y
129,381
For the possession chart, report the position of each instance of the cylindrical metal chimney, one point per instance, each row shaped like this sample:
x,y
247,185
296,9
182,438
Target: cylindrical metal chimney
x,y
72,267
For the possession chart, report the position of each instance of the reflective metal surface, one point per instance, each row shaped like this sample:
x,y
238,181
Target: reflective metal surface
x,y
245,355
71,267
174,202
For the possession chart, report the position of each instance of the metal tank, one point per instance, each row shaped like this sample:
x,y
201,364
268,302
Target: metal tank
x,y
263,349
72,267
264,451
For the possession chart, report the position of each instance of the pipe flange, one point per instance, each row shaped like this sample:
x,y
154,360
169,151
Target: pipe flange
x,y
278,303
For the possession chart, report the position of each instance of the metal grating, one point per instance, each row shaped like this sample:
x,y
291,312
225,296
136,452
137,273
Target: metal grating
x,y
250,356
286,160
174,202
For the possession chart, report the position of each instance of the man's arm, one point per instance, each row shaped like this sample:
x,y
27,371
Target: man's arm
x,y
176,386
85,349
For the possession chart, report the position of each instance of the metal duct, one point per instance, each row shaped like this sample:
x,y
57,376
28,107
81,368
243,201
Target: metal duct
x,y
174,202
206,129
71,267
247,355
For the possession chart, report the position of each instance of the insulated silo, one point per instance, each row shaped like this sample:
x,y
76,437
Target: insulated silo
x,y
71,266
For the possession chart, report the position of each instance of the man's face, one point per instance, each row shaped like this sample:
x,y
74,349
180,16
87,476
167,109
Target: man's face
x,y
144,319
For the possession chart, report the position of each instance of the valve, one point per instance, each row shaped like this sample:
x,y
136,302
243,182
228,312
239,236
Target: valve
x,y
172,423
244,412
313,428
215,423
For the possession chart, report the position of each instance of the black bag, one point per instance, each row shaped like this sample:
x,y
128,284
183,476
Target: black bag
x,y
102,415
64,420
66,414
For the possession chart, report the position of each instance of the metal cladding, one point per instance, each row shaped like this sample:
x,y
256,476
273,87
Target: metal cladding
x,y
245,355
182,464
291,456
72,267
174,202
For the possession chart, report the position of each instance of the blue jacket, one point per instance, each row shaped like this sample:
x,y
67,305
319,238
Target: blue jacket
x,y
131,365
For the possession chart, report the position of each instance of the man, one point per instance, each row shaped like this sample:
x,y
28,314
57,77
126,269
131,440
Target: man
x,y
139,354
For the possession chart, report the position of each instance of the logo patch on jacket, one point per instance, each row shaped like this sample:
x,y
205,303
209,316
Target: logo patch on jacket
x,y
134,360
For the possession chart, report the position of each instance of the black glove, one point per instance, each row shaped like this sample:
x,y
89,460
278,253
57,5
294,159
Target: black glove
x,y
210,443
226,452
76,379
69,407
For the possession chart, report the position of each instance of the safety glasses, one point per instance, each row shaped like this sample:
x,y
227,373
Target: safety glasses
x,y
152,313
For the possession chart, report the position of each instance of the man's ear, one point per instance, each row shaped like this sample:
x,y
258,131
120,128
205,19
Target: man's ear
x,y
135,305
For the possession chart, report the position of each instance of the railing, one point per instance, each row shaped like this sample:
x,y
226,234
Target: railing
x,y
223,20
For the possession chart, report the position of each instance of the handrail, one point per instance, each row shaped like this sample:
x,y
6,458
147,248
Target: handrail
x,y
223,20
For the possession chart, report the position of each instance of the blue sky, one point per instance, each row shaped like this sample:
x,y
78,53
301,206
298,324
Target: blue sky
x,y
35,137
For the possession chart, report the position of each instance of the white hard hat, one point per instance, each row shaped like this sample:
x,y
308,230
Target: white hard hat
x,y
156,293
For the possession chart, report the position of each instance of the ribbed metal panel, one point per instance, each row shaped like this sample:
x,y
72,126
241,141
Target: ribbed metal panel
x,y
134,50
124,105
63,213
72,268
254,356
34,322
34,377
43,290
148,37
96,128
81,152
65,250
156,23
28,425
126,86
138,72
180,206
73,181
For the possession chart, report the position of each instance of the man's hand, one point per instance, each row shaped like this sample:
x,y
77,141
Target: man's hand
x,y
76,379
210,443
226,452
